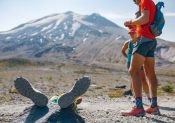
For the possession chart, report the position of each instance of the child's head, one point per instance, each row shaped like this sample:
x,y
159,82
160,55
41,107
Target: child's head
x,y
132,33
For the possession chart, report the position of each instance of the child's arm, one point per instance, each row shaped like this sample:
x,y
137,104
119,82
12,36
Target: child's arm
x,y
124,48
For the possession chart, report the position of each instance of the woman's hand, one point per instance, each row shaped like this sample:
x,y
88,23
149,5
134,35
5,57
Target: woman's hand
x,y
128,23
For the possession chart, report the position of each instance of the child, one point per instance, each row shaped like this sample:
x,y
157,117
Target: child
x,y
66,100
129,45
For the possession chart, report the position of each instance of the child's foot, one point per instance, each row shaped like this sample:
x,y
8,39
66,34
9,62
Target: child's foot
x,y
154,111
73,106
138,112
128,93
78,89
26,89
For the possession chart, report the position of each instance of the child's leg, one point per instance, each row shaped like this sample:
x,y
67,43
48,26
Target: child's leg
x,y
78,89
130,91
26,89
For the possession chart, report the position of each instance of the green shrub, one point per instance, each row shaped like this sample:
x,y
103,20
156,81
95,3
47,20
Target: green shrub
x,y
168,88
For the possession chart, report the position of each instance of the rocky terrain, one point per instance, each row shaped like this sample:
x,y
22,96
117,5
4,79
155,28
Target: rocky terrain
x,y
101,104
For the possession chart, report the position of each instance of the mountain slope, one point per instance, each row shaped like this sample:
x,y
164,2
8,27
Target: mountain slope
x,y
67,30
166,50
67,35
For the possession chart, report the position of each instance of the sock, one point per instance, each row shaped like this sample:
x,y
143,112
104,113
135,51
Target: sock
x,y
149,98
139,103
154,102
147,94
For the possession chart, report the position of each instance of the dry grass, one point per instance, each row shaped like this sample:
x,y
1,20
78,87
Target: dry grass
x,y
160,92
99,87
14,62
115,93
13,90
4,98
166,72
50,78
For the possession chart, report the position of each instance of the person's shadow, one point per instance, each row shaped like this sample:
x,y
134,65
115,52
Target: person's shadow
x,y
167,108
163,108
157,120
164,115
36,113
65,116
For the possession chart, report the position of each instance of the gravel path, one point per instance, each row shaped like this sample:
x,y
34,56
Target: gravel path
x,y
91,110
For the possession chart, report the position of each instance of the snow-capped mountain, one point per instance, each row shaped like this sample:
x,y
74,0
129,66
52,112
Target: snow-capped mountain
x,y
66,35
59,34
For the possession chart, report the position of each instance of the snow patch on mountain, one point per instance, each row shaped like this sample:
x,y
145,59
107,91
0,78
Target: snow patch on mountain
x,y
62,18
36,33
58,18
8,38
84,40
62,37
118,37
81,20
41,40
75,27
46,28
65,26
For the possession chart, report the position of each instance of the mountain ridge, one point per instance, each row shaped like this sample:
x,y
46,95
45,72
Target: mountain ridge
x,y
68,35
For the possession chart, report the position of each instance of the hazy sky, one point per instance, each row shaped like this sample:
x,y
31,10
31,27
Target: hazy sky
x,y
15,12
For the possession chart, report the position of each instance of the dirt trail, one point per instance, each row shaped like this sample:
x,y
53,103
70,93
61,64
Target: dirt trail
x,y
91,110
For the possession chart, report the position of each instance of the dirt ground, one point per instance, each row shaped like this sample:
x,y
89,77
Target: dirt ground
x,y
101,104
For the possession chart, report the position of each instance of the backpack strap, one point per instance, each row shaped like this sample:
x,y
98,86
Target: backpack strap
x,y
160,5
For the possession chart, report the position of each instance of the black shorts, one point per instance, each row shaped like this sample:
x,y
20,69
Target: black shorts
x,y
145,48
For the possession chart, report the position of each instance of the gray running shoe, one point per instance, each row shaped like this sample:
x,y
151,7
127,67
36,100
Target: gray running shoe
x,y
80,87
26,89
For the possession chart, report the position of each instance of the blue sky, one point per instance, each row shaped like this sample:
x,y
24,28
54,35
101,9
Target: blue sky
x,y
15,12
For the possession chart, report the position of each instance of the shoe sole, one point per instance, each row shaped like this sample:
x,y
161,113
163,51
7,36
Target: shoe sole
x,y
79,88
26,89
157,113
142,114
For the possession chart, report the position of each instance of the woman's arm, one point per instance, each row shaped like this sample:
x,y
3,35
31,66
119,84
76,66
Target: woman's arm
x,y
143,19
